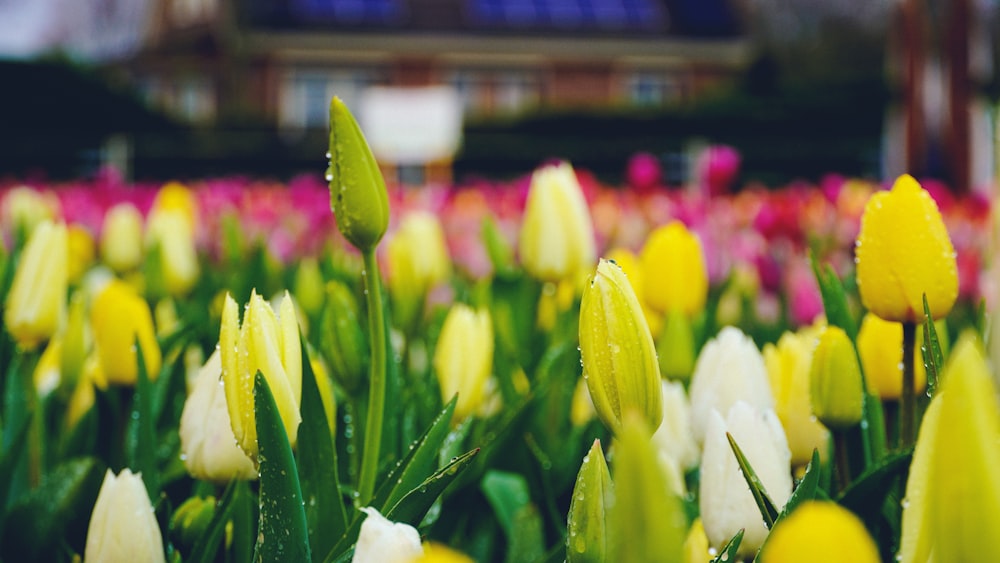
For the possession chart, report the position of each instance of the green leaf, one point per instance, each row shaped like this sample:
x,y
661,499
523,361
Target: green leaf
x,y
282,533
54,514
141,433
8,463
834,298
500,253
317,464
527,541
419,462
808,487
931,350
764,503
206,548
729,551
507,493
415,504
866,492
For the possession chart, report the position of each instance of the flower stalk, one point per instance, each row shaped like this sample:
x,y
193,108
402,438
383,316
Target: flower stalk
x,y
907,406
376,392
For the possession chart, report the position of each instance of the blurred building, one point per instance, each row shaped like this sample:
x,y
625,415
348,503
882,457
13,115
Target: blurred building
x,y
283,60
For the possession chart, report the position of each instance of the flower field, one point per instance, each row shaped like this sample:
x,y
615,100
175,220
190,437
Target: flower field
x,y
541,369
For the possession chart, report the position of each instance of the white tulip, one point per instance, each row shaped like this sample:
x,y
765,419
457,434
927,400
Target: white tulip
x,y
384,541
726,503
730,368
123,527
674,436
208,445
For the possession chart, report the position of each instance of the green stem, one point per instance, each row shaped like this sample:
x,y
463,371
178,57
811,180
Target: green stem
x,y
907,411
376,394
842,453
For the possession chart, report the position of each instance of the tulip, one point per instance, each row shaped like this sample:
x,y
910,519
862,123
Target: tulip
x,y
342,339
23,209
880,348
121,237
674,436
619,360
122,526
629,263
119,317
267,343
463,358
170,229
676,347
309,286
437,553
76,339
383,541
696,548
788,366
821,532
647,520
837,388
726,503
191,520
581,409
357,190
80,251
36,302
208,446
673,266
593,497
557,235
730,368
903,251
47,375
418,260
952,503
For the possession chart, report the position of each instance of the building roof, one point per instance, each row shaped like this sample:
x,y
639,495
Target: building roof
x,y
618,18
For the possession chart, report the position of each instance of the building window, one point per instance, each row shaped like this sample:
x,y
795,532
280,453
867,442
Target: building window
x,y
491,91
647,88
305,94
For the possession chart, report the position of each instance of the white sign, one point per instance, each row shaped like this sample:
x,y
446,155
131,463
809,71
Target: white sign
x,y
412,125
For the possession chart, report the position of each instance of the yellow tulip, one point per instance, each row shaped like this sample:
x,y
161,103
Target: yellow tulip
x,y
619,360
80,249
418,260
118,317
36,302
557,235
170,229
880,345
788,364
438,553
267,343
463,358
903,251
593,497
121,238
837,389
952,502
175,196
47,375
309,286
821,532
629,263
696,544
24,208
673,266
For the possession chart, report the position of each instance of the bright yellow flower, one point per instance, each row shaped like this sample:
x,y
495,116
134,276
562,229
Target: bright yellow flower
x,y
788,364
820,532
836,385
121,238
952,501
696,544
36,303
557,235
619,360
118,317
438,553
463,358
170,228
80,247
24,208
674,274
903,251
629,263
418,260
267,343
880,345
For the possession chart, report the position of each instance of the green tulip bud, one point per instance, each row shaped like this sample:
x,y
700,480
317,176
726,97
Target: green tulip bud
x,y
343,341
191,519
837,390
593,496
357,190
